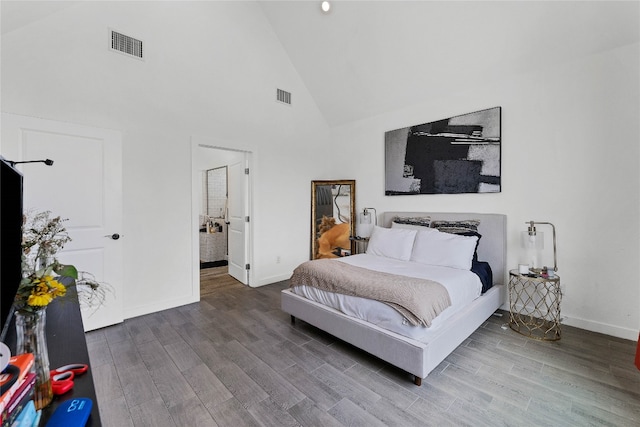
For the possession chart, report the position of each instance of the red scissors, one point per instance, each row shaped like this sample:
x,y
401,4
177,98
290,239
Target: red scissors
x,y
62,377
76,368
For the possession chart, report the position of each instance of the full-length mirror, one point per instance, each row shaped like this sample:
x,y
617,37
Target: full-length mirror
x,y
333,207
216,187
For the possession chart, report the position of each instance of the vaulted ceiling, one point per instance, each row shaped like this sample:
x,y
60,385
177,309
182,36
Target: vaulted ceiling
x,y
16,14
366,58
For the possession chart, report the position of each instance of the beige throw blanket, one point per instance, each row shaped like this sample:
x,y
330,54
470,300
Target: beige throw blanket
x,y
418,300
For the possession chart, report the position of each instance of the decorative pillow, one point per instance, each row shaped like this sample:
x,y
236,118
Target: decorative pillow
x,y
410,226
456,227
444,249
391,242
422,221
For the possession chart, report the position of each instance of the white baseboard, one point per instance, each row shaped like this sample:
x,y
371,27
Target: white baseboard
x,y
603,328
269,280
590,325
141,310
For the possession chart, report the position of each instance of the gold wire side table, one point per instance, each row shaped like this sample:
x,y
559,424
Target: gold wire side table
x,y
534,305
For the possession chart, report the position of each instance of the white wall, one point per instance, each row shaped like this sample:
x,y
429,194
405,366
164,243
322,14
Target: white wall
x,y
211,72
570,155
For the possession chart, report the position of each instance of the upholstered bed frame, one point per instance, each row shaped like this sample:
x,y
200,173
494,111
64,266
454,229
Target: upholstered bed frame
x,y
417,358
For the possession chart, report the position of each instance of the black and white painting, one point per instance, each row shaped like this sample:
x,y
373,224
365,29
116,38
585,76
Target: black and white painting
x,y
460,154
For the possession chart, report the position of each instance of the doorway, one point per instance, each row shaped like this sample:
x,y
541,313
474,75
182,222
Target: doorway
x,y
213,233
221,201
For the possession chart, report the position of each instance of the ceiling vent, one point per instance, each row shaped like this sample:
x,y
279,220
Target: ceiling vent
x,y
126,44
283,96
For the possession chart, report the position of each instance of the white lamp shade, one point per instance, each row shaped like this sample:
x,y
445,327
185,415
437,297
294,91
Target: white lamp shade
x,y
364,225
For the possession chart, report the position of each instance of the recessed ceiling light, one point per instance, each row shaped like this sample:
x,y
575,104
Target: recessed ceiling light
x,y
326,6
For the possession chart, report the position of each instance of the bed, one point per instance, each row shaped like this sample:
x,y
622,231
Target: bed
x,y
417,354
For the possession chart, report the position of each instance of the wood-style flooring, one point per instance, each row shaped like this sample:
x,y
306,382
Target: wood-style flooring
x,y
234,359
215,278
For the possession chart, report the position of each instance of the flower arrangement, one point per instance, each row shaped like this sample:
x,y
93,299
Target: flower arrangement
x,y
46,234
43,236
39,288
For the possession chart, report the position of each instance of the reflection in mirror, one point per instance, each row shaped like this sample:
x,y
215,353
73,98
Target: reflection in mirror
x,y
216,186
213,223
332,218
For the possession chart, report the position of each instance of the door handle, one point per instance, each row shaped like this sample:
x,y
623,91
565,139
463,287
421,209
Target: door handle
x,y
114,236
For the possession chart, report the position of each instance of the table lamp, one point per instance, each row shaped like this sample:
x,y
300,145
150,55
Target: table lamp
x,y
533,240
366,223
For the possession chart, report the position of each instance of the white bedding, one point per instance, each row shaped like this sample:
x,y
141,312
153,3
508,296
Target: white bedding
x,y
463,287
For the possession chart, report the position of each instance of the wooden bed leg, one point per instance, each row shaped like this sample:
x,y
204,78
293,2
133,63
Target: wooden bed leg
x,y
417,380
293,320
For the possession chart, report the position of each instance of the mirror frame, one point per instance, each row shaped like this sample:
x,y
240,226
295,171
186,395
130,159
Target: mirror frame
x,y
317,211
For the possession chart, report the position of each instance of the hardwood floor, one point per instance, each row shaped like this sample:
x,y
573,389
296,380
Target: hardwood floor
x,y
234,359
212,279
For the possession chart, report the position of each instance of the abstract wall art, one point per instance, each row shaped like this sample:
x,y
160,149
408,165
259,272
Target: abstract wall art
x,y
460,154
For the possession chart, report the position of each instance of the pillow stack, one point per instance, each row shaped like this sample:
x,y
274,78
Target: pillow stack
x,y
467,228
434,247
443,243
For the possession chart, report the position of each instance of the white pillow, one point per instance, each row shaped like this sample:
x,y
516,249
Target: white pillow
x,y
394,243
444,249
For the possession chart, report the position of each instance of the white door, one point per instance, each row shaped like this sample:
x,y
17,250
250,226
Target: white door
x,y
237,217
84,185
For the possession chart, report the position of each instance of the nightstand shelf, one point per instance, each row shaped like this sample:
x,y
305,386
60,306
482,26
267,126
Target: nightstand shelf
x,y
360,244
534,305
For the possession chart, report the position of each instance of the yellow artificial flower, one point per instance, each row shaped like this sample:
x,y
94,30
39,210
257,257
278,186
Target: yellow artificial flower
x,y
45,289
39,300
40,287
57,289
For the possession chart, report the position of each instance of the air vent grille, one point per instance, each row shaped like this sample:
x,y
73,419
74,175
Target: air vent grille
x,y
126,44
283,96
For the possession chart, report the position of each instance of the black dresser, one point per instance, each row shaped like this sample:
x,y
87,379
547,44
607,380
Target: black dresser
x,y
66,343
